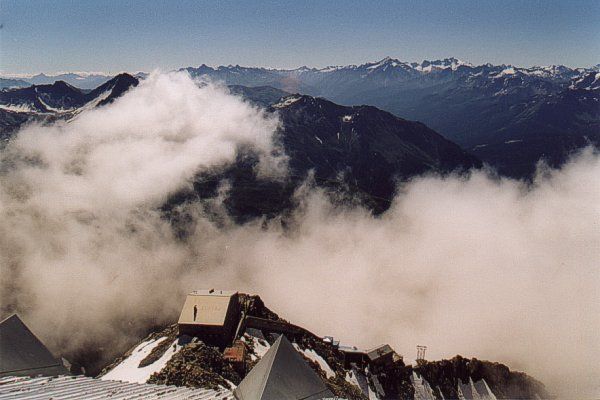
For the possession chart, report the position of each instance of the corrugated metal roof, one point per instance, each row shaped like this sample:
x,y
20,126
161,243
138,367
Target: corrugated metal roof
x,y
82,387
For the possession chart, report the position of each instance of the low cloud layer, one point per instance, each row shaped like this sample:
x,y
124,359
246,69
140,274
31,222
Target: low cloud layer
x,y
482,267
479,266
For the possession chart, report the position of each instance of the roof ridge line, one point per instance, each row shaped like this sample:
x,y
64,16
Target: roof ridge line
x,y
273,348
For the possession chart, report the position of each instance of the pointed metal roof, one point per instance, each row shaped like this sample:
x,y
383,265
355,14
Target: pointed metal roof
x,y
282,374
22,353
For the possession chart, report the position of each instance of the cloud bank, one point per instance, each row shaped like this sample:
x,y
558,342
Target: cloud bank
x,y
83,249
480,266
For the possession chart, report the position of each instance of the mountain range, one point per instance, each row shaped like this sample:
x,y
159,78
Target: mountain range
x,y
444,116
58,100
509,117
82,80
360,153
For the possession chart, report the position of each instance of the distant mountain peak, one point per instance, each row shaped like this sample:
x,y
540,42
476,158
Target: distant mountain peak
x,y
63,85
387,61
446,63
81,80
123,75
113,89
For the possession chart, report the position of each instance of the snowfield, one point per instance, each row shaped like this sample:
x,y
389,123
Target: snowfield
x,y
128,370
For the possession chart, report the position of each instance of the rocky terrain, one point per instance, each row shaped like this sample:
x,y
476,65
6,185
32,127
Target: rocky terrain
x,y
357,154
508,116
187,361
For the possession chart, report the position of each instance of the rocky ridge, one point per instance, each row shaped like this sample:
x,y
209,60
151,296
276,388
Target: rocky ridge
x,y
198,365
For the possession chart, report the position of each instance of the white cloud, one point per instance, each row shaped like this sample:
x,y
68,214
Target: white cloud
x,y
477,266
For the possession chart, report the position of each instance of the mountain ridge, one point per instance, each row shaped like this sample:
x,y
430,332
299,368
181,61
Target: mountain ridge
x,y
510,117
357,154
475,106
360,153
348,372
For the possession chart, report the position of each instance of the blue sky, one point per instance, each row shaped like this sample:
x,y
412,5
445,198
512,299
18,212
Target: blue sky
x,y
113,36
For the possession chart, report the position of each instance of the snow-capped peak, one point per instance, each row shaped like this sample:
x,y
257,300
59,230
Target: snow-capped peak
x,y
507,71
588,81
447,63
381,63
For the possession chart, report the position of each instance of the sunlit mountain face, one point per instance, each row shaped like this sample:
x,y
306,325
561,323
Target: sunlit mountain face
x,y
508,116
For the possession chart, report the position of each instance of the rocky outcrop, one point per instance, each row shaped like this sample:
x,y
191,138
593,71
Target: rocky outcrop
x,y
255,307
194,364
395,381
199,366
157,352
447,375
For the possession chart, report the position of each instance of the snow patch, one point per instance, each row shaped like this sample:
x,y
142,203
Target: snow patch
x,y
312,355
387,63
372,394
578,82
232,385
351,379
331,68
128,370
505,72
93,103
440,65
56,110
17,107
379,64
260,346
287,102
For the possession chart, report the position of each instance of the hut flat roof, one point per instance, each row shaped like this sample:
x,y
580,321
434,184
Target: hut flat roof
x,y
203,307
212,292
379,351
351,349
